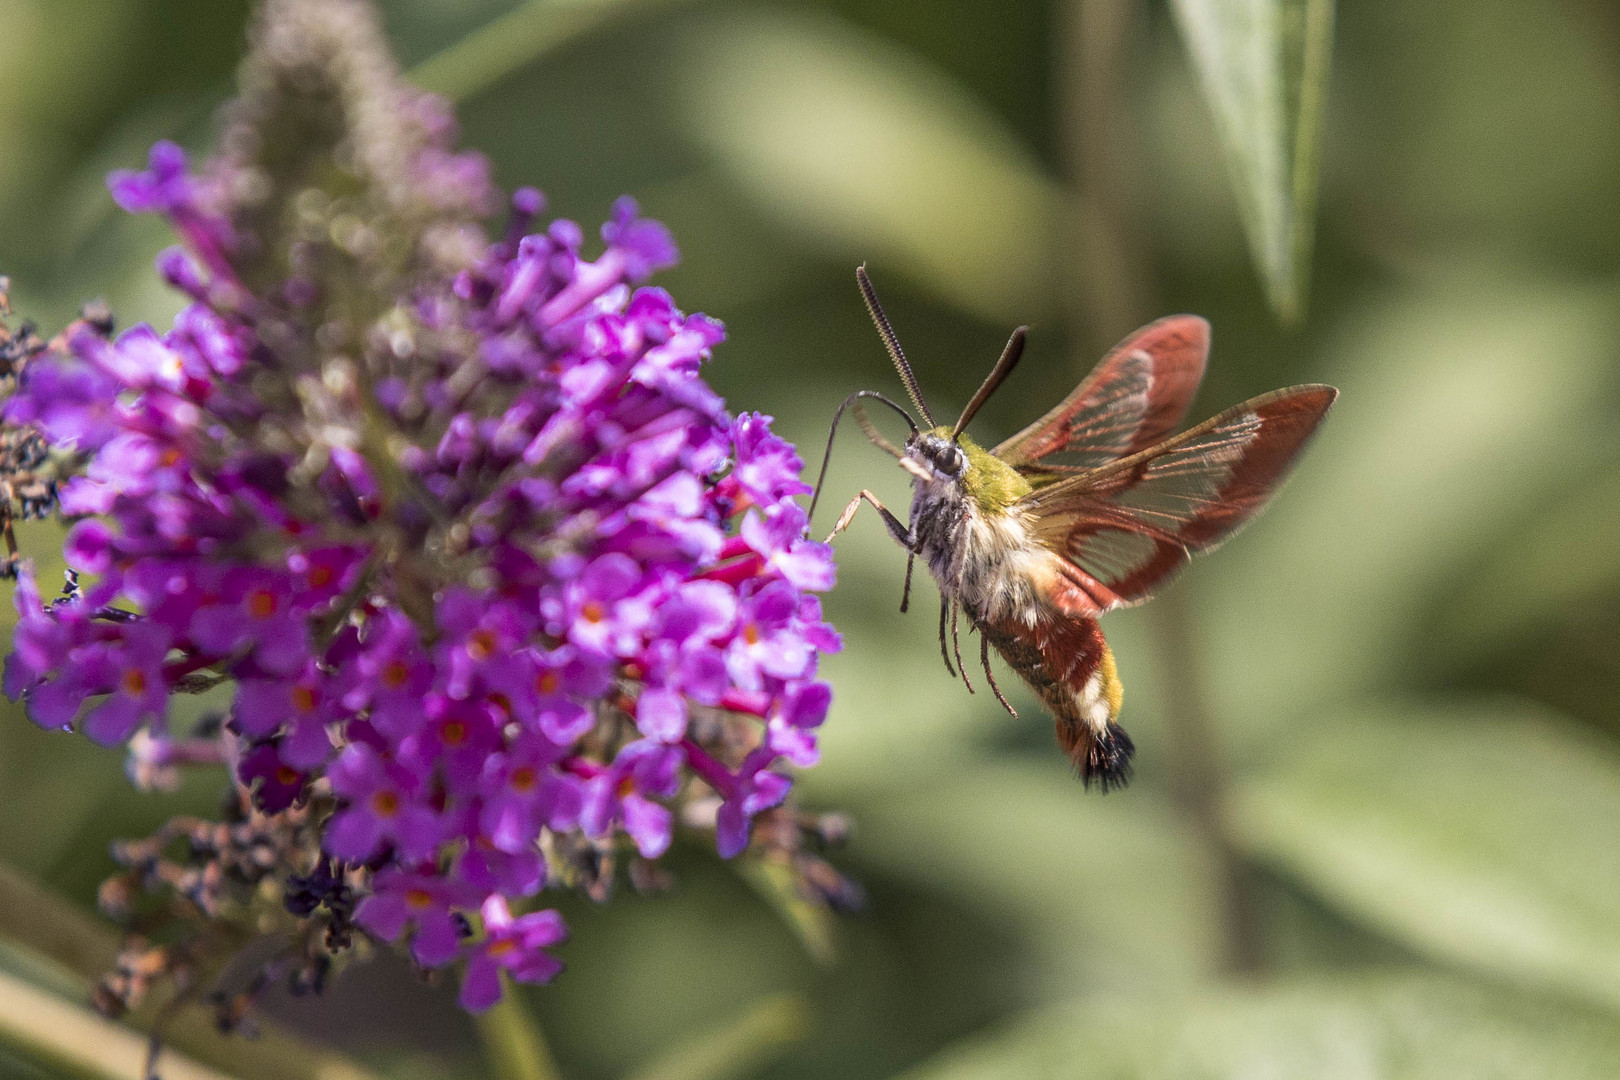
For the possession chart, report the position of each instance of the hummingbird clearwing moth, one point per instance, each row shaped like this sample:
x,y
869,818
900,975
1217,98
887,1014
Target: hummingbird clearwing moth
x,y
1090,508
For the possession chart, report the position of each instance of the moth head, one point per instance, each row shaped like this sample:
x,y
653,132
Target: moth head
x,y
938,456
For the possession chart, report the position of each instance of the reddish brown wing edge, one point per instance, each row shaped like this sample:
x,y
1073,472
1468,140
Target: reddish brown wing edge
x,y
1167,357
1173,500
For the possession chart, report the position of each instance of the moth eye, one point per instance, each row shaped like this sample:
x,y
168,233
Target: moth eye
x,y
950,459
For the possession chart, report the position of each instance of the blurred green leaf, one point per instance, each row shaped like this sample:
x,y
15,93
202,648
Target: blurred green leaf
x,y
1380,1026
1438,825
1561,558
813,923
1263,66
1464,395
1116,892
737,1047
1490,124
875,156
519,37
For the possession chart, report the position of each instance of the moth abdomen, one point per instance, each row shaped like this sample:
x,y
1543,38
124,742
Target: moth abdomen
x,y
1107,758
1069,665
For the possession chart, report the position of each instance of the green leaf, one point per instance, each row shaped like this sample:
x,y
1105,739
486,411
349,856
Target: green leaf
x,y
812,923
1396,1025
506,44
1117,892
873,155
1263,67
1463,397
1480,833
1560,561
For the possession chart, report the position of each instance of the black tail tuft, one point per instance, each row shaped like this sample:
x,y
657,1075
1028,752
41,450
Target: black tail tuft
x,y
1108,759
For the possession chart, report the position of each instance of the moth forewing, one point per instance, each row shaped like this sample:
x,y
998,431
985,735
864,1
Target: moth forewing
x,y
1132,524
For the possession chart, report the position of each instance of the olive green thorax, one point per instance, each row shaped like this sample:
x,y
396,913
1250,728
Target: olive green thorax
x,y
991,483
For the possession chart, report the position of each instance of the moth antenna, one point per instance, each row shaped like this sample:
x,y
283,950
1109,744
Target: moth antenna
x,y
826,457
998,374
892,343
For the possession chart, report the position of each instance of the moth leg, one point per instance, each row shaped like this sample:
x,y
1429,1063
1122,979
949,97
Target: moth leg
x,y
956,647
944,646
984,658
896,527
905,594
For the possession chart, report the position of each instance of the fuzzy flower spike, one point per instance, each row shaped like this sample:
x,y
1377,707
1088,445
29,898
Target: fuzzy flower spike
x,y
496,588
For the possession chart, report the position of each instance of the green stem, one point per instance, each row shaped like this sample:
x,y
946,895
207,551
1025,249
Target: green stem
x,y
512,1041
738,1047
514,40
39,921
69,1040
1198,777
1114,295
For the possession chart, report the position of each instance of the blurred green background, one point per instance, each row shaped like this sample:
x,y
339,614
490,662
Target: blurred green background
x,y
1375,829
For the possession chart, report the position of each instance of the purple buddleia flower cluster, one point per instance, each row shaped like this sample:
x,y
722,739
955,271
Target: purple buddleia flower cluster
x,y
496,585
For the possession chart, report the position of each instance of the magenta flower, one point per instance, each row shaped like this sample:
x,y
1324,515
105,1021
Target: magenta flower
x,y
384,805
132,666
525,792
515,945
499,587
769,642
623,794
754,788
275,782
427,903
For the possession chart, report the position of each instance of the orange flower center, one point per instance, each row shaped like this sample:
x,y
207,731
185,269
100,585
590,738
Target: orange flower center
x,y
134,682
524,778
502,947
593,612
261,603
287,776
320,576
454,733
385,804
395,674
303,699
418,899
751,634
481,645
548,682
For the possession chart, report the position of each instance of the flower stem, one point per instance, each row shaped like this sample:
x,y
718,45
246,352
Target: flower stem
x,y
1114,294
39,921
738,1047
512,1041
70,1040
